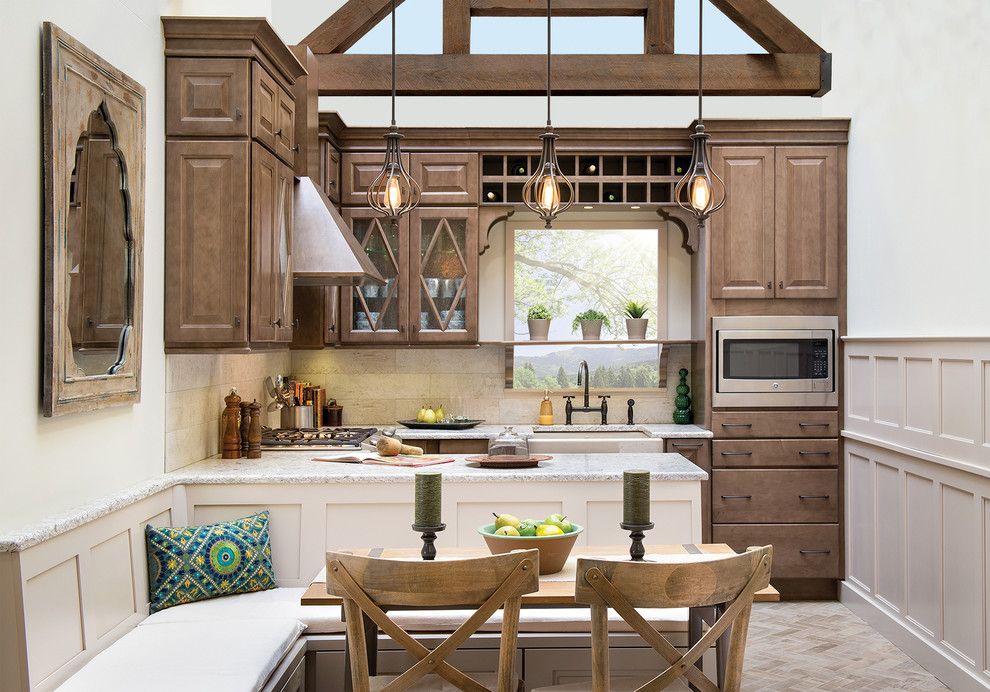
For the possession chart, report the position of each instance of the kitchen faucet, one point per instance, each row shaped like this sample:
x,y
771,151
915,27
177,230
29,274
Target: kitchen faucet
x,y
587,408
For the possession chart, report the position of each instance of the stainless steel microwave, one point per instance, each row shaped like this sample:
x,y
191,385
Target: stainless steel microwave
x,y
774,361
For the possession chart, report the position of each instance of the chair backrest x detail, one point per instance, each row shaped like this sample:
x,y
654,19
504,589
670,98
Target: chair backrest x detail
x,y
371,586
729,583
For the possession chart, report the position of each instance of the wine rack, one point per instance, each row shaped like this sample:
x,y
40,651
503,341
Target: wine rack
x,y
627,179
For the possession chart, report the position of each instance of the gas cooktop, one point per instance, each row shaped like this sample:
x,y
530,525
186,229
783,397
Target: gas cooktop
x,y
309,438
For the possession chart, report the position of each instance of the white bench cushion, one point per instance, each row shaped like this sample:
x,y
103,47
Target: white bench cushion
x,y
274,603
284,602
190,656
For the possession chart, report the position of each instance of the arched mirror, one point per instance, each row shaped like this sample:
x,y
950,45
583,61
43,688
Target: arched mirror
x,y
94,165
99,251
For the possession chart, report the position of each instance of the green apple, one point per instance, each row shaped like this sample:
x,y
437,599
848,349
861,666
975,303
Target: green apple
x,y
527,528
560,521
506,520
506,531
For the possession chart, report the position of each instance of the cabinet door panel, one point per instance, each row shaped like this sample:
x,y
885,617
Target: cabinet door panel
x,y
264,106
207,97
699,453
444,275
807,222
378,313
330,171
358,172
743,231
446,178
264,201
206,209
282,255
285,130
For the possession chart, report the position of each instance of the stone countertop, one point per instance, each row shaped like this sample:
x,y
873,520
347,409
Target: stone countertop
x,y
487,432
288,467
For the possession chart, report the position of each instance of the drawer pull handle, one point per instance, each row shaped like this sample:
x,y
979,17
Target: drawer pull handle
x,y
814,497
737,425
737,497
737,454
681,445
814,425
804,551
813,454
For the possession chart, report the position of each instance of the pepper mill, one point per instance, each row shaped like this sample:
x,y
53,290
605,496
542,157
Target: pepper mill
x,y
245,427
254,432
231,445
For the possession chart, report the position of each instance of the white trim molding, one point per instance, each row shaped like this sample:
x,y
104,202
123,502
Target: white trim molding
x,y
917,475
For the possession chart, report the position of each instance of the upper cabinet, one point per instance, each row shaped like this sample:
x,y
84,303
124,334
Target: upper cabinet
x,y
446,179
778,234
230,146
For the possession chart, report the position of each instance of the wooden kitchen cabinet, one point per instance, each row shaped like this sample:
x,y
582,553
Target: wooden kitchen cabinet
x,y
330,170
358,172
315,317
430,263
229,185
445,178
778,234
699,453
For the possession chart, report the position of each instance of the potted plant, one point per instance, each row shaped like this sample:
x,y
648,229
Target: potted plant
x,y
591,322
539,322
636,321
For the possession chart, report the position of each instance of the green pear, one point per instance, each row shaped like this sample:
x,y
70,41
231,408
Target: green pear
x,y
506,531
506,520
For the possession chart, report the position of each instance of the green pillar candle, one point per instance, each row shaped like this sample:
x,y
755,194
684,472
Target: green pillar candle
x,y
636,497
428,490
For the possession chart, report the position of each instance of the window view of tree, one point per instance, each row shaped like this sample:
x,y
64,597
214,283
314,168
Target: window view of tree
x,y
572,270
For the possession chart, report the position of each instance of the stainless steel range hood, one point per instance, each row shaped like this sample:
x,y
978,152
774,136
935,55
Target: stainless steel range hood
x,y
324,250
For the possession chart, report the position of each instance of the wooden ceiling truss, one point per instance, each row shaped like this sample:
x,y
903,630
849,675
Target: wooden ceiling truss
x,y
794,64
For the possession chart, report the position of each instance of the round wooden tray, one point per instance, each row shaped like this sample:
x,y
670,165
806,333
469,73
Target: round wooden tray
x,y
508,461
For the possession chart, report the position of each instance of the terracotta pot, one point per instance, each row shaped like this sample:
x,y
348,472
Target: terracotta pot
x,y
636,328
591,330
554,550
539,330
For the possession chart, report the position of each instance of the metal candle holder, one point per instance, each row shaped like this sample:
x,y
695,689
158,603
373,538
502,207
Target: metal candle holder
x,y
429,551
636,534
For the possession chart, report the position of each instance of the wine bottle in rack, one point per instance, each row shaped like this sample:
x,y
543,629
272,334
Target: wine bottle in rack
x,y
519,170
611,197
493,196
590,169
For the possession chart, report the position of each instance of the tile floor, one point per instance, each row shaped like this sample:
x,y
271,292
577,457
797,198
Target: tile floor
x,y
797,647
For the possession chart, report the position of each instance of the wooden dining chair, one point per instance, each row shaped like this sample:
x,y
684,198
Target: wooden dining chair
x,y
371,586
728,583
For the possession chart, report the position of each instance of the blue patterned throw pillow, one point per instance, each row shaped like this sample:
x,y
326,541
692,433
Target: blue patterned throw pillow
x,y
193,563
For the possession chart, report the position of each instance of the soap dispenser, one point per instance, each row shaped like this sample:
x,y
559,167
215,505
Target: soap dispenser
x,y
546,409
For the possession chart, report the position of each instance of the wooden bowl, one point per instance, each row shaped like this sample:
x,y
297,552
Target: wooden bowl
x,y
554,550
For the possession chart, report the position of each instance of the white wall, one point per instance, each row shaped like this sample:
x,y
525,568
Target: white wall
x,y
915,78
50,464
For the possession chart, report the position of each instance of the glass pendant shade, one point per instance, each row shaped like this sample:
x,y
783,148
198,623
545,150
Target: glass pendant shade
x,y
700,191
394,192
548,192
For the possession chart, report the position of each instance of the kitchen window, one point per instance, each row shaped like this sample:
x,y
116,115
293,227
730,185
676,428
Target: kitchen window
x,y
569,269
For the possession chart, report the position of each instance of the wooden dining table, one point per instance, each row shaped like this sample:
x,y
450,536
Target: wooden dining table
x,y
556,590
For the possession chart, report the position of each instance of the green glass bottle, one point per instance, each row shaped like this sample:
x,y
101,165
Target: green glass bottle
x,y
683,415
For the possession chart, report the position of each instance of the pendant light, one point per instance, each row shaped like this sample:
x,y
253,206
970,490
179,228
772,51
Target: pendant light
x,y
394,192
705,190
548,192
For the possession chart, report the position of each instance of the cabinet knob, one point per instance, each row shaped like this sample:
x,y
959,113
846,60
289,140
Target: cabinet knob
x,y
237,321
780,284
278,132
769,285
238,114
277,322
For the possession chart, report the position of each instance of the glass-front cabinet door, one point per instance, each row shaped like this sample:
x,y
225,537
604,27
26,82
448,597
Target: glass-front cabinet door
x,y
374,312
443,304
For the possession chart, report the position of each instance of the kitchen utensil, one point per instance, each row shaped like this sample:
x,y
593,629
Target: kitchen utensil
x,y
452,425
297,417
554,550
508,461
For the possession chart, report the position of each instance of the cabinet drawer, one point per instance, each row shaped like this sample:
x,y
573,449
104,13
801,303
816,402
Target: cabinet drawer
x,y
207,97
446,178
800,551
746,424
776,496
770,453
358,172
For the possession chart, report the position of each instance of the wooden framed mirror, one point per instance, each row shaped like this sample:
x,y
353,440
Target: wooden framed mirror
x,y
94,177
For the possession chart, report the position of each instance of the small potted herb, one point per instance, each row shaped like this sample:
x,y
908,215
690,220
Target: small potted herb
x,y
539,322
636,321
591,322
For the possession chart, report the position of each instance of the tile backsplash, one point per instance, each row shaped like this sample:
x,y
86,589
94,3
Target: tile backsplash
x,y
385,385
195,385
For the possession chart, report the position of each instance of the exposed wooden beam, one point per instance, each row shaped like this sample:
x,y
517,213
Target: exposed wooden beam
x,y
765,24
659,25
579,75
456,26
346,26
561,8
